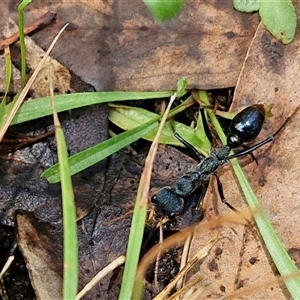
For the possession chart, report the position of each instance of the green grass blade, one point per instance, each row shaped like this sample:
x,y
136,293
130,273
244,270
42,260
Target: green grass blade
x,y
37,108
70,270
139,218
280,257
8,73
21,8
90,156
134,247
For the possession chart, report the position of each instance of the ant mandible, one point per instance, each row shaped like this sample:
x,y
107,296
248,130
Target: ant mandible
x,y
244,127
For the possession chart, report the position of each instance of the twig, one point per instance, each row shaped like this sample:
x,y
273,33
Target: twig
x,y
109,268
45,19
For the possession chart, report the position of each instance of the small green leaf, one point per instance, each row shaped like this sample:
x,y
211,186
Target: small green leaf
x,y
268,109
181,87
246,5
164,10
280,19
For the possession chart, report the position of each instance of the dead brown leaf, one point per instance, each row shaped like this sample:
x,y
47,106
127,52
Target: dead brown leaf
x,y
117,45
43,254
270,75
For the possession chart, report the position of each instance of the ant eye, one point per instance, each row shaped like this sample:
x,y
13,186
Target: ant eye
x,y
154,199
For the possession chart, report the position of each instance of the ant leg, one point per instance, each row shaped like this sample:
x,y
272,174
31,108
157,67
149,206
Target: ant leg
x,y
205,127
254,147
251,153
206,130
221,193
254,158
265,141
223,199
189,146
204,121
202,194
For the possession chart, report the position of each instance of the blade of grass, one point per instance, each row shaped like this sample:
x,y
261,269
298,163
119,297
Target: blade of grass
x,y
139,217
8,75
280,257
70,245
21,8
8,71
92,155
38,108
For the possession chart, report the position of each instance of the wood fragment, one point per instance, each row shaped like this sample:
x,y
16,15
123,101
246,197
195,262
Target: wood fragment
x,y
40,22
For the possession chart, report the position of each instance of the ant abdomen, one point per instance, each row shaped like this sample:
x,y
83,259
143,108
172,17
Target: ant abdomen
x,y
246,125
168,202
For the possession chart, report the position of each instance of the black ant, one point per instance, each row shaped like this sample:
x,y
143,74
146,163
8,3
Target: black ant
x,y
244,127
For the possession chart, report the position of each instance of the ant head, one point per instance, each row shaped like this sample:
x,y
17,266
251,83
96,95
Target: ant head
x,y
167,202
